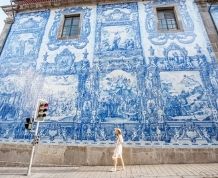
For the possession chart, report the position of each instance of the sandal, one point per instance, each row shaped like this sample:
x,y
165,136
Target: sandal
x,y
122,169
113,170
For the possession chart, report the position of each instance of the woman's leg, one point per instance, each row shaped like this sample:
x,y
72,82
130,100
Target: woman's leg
x,y
115,164
122,162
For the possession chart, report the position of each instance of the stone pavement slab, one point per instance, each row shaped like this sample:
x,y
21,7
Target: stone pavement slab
x,y
136,171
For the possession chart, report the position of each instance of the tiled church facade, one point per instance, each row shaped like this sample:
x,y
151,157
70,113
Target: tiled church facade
x,y
159,87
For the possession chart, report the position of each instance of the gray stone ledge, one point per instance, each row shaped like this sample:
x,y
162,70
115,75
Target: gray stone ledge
x,y
92,155
135,144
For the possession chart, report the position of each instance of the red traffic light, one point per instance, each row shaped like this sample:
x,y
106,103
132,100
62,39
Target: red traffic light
x,y
43,107
41,110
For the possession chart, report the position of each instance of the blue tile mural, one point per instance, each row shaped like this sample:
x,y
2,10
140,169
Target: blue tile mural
x,y
119,64
162,93
23,43
18,64
79,43
185,35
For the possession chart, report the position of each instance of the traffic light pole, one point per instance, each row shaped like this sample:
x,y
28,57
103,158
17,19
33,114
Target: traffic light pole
x,y
40,114
33,150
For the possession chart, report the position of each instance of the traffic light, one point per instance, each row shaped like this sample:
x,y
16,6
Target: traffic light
x,y
29,123
41,110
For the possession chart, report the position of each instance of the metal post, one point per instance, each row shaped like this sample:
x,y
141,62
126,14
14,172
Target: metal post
x,y
33,150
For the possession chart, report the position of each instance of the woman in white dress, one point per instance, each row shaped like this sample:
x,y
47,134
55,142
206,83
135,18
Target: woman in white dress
x,y
118,150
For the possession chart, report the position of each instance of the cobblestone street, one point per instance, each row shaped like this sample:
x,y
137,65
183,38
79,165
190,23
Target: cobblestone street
x,y
145,171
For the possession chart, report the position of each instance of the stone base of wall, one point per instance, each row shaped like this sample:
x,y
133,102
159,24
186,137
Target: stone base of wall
x,y
60,155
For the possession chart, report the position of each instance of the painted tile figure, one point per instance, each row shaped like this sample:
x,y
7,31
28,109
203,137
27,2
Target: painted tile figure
x,y
121,72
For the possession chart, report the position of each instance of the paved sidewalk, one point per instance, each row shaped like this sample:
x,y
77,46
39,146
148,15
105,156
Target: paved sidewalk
x,y
142,171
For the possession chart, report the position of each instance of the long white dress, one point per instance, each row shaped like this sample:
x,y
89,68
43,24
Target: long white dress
x,y
119,147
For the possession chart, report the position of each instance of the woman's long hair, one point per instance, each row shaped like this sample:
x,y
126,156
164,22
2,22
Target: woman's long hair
x,y
117,132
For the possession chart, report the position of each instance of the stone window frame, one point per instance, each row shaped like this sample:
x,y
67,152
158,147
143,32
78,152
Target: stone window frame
x,y
61,26
177,18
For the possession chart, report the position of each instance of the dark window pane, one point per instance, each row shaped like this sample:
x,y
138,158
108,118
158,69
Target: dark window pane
x,y
67,22
170,26
76,21
169,21
163,22
164,26
174,26
74,32
75,27
71,26
160,15
166,19
66,32
169,15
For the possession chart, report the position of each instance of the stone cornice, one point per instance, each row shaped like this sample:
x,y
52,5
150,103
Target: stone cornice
x,y
10,10
22,5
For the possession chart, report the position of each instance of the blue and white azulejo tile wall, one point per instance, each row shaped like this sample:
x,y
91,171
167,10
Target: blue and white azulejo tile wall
x,y
122,72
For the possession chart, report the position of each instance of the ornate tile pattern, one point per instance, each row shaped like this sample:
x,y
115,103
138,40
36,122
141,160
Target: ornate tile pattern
x,y
186,35
18,63
23,43
79,43
166,96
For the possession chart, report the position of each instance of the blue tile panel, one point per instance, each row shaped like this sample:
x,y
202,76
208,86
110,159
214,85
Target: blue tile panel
x,y
171,99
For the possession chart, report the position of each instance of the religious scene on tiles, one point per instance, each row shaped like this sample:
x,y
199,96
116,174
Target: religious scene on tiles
x,y
164,97
18,63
